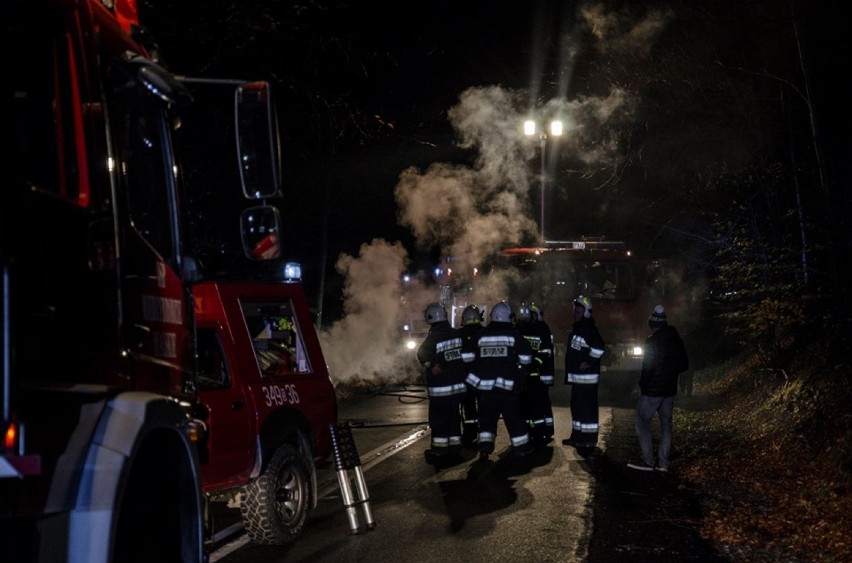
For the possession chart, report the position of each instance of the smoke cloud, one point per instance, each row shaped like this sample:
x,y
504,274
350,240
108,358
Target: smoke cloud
x,y
467,212
365,342
620,31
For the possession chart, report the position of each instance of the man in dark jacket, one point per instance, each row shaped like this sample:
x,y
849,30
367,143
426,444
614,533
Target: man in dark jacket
x,y
583,371
441,356
665,358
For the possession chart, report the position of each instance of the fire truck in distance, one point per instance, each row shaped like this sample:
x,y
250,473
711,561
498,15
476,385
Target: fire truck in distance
x,y
157,353
621,286
605,271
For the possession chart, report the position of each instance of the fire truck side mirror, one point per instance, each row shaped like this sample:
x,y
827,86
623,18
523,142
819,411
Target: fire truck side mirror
x,y
260,227
158,82
258,146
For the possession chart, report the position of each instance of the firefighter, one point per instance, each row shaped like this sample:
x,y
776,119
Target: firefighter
x,y
498,360
536,397
471,326
441,356
582,371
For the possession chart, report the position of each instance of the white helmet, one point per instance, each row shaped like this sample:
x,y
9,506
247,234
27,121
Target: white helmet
x,y
471,315
524,313
435,312
502,312
586,304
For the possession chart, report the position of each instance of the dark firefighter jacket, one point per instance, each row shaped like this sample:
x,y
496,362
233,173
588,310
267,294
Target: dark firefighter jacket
x,y
443,348
498,357
540,338
470,331
585,345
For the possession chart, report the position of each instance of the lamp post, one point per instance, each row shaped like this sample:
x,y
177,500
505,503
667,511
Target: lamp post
x,y
555,131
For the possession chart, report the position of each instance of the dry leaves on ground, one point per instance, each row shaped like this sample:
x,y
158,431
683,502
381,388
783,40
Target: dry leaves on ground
x,y
773,469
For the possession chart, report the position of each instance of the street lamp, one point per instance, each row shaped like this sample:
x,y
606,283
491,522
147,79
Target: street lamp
x,y
555,131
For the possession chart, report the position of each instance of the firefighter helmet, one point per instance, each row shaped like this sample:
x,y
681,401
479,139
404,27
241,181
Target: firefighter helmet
x,y
471,315
536,312
434,313
524,313
586,304
502,312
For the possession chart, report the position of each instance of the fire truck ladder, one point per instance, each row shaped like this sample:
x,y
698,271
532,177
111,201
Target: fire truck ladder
x,y
346,459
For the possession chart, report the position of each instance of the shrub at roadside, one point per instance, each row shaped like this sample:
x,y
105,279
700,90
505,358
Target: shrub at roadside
x,y
772,460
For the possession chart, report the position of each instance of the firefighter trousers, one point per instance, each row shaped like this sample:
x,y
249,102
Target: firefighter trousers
x,y
493,404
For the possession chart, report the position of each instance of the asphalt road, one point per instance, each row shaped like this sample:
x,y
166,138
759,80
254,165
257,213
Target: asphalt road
x,y
554,505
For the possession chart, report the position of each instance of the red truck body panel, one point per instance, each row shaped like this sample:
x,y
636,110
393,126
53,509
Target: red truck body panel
x,y
254,397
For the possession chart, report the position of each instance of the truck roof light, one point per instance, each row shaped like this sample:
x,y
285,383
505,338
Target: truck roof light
x,y
292,272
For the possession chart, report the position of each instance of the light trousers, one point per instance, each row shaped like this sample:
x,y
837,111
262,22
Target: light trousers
x,y
645,410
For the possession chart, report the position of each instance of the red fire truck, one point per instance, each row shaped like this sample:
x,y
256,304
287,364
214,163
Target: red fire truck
x,y
620,285
136,270
605,271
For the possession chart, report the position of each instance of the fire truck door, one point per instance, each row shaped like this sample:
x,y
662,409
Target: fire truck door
x,y
231,429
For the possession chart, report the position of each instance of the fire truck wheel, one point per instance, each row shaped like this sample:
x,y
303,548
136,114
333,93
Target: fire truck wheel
x,y
274,505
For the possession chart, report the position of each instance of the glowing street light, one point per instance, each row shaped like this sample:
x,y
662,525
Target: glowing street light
x,y
530,127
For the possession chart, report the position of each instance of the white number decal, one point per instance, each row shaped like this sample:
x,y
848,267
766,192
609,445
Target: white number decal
x,y
280,395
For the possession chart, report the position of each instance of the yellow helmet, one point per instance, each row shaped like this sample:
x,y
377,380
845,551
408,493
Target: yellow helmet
x,y
536,311
471,315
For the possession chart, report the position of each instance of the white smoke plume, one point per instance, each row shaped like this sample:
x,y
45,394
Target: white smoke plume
x,y
365,343
467,212
621,31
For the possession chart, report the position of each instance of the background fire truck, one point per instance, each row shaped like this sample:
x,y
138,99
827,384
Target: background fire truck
x,y
623,289
135,264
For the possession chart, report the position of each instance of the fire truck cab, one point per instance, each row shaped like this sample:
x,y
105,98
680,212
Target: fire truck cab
x,y
604,271
265,388
552,275
136,264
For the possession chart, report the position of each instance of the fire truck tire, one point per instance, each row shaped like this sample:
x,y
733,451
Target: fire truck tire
x,y
275,505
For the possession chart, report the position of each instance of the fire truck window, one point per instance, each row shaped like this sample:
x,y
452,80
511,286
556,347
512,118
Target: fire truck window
x,y
277,338
143,165
607,281
602,280
561,279
44,119
213,370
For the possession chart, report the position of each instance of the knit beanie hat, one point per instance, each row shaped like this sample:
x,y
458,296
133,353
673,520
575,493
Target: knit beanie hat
x,y
658,317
